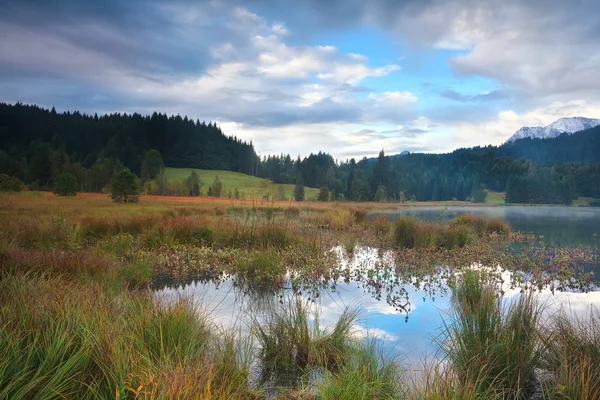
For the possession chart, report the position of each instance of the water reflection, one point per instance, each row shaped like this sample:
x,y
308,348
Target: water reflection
x,y
366,281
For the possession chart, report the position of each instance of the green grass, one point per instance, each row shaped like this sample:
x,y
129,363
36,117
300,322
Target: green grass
x,y
583,201
490,346
291,344
496,198
251,187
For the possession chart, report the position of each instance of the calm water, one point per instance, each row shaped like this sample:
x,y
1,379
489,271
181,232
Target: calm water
x,y
560,226
411,339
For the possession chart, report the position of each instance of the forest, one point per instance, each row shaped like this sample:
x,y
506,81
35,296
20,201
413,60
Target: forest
x,y
39,145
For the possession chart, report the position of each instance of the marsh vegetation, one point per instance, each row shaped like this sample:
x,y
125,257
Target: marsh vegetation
x,y
81,318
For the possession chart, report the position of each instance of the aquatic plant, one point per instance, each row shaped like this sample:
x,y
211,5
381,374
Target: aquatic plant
x,y
365,374
572,356
291,342
488,347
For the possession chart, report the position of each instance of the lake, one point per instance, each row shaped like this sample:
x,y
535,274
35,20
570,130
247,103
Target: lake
x,y
412,339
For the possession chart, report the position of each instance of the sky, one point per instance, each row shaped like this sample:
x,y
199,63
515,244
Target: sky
x,y
345,77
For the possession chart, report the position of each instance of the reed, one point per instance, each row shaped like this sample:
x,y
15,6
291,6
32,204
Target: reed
x,y
364,375
488,347
291,343
572,355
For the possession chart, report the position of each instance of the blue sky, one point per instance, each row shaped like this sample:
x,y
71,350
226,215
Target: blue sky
x,y
346,77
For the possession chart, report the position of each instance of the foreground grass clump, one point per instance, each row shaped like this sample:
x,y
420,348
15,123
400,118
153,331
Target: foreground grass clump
x,y
572,355
292,344
491,349
75,340
365,375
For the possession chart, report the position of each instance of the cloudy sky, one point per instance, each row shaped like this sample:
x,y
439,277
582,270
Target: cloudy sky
x,y
347,77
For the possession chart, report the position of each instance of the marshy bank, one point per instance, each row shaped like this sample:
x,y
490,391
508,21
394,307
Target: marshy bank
x,y
87,311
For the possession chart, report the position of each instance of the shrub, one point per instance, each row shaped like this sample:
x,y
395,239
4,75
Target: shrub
x,y
360,216
11,184
125,187
66,185
292,212
427,234
381,225
405,232
475,221
497,226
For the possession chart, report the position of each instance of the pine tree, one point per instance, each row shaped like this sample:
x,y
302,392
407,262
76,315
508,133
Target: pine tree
x,y
66,185
125,187
381,195
323,193
299,192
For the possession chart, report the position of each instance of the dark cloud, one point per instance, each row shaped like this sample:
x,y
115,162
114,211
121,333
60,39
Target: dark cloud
x,y
465,98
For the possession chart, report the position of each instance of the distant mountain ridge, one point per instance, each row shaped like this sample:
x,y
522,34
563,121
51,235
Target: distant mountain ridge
x,y
568,125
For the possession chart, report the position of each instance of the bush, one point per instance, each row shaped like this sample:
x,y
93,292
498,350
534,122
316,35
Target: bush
x,y
488,347
497,226
381,225
405,232
291,212
11,184
125,187
66,185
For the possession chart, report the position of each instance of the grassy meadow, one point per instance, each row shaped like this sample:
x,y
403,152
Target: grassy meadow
x,y
78,318
251,187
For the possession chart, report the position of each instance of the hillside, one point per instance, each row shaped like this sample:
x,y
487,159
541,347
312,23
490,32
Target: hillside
x,y
37,143
251,187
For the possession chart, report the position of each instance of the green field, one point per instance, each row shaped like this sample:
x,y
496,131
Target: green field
x,y
251,187
496,198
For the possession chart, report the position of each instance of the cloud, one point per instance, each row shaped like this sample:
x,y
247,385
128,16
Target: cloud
x,y
278,79
207,60
481,97
497,129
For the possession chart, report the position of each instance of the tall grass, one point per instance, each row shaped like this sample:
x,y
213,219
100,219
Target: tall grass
x,y
64,339
489,348
291,343
411,233
572,355
364,375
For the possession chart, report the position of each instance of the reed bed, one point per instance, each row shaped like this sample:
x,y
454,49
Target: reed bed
x,y
78,318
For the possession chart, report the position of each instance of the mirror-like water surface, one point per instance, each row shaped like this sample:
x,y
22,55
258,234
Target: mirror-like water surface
x,y
414,338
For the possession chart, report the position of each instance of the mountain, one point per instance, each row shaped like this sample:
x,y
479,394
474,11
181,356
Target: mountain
x,y
563,125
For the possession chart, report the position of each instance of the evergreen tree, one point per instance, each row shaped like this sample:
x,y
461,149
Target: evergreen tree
x,y
125,187
299,192
381,195
145,172
323,193
193,183
216,188
66,185
154,163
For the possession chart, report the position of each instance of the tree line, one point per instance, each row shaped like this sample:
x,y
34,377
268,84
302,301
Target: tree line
x,y
39,146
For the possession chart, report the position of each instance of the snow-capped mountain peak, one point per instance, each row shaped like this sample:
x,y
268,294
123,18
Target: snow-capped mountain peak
x,y
568,125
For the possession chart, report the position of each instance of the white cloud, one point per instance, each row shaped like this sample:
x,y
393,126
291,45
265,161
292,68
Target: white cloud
x,y
506,122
